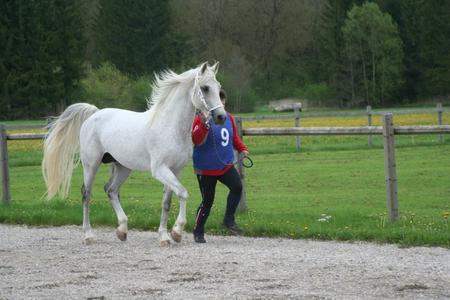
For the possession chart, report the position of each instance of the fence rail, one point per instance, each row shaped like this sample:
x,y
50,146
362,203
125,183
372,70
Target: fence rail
x,y
25,136
30,126
344,130
439,109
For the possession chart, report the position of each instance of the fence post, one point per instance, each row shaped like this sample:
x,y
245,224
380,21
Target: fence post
x,y
6,195
369,123
439,110
390,167
243,202
297,124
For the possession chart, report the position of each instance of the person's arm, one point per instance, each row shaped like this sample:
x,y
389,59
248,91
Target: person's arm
x,y
199,131
237,142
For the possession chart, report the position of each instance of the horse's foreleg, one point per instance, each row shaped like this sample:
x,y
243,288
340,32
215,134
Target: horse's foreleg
x,y
118,176
180,222
171,182
166,202
122,229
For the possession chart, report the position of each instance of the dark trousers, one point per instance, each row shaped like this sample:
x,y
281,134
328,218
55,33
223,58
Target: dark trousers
x,y
207,185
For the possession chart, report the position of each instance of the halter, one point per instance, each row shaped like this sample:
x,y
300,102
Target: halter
x,y
198,91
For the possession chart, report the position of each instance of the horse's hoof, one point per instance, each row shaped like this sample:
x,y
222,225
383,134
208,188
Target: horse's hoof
x,y
164,244
175,236
121,235
88,241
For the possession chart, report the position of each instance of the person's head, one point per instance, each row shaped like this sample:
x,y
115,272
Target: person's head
x,y
223,96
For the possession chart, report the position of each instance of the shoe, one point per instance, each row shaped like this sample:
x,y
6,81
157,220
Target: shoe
x,y
233,229
199,238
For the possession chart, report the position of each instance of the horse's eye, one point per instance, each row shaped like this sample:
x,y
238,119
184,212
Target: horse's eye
x,y
205,88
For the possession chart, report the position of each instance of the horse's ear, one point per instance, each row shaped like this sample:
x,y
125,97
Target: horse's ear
x,y
203,69
215,67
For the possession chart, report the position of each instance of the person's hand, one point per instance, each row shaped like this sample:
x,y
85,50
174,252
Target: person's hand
x,y
246,153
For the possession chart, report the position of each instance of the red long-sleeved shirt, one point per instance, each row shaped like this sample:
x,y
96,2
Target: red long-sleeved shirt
x,y
199,134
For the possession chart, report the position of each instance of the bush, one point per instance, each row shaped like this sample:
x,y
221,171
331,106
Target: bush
x,y
316,94
106,86
140,92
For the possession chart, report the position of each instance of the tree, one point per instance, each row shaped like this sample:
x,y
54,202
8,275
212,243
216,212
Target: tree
x,y
374,52
41,52
89,13
134,35
261,45
331,48
434,48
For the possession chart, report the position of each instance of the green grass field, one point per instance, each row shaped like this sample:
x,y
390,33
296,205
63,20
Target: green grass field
x,y
334,188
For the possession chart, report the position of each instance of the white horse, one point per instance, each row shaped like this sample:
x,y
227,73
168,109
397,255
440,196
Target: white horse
x,y
157,140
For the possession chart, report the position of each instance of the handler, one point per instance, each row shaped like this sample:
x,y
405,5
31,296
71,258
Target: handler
x,y
213,161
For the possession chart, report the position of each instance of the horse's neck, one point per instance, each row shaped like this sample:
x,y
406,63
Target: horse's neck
x,y
176,118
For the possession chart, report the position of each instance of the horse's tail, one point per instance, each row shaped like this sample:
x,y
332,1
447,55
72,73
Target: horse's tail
x,y
61,146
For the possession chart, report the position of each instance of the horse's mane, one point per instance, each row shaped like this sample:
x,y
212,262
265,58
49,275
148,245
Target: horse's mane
x,y
166,81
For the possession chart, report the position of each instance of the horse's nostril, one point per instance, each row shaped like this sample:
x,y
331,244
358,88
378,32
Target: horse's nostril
x,y
219,118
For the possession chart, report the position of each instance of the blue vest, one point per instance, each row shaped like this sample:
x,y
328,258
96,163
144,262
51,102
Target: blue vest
x,y
217,151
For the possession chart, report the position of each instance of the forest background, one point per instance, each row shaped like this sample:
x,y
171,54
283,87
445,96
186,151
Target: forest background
x,y
327,53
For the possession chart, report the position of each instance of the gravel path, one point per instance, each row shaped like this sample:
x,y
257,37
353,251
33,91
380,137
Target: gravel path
x,y
52,263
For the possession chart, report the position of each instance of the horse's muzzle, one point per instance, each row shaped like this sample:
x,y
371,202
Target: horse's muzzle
x,y
220,119
219,116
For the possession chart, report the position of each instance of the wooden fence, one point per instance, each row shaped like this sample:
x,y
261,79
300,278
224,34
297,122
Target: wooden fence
x,y
387,130
369,113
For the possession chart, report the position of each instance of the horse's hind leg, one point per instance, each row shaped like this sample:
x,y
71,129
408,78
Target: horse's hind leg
x,y
166,202
89,171
118,176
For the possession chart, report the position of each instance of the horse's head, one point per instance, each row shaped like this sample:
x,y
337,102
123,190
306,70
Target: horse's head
x,y
206,97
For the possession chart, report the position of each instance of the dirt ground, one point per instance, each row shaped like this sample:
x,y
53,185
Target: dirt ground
x,y
52,263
